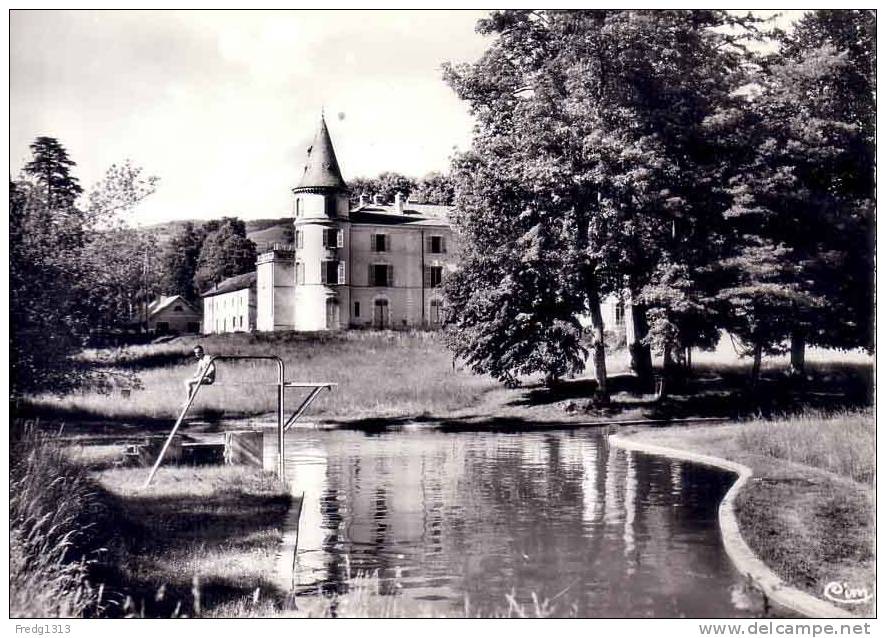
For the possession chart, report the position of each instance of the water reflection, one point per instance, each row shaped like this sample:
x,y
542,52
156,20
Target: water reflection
x,y
445,517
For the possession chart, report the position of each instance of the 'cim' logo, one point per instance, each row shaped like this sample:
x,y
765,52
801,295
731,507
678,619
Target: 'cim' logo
x,y
843,593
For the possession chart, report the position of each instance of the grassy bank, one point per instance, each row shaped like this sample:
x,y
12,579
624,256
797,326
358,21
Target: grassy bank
x,y
87,541
378,374
808,511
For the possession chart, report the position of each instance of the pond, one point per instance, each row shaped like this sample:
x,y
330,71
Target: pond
x,y
459,521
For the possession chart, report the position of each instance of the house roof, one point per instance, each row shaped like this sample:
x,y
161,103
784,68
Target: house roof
x,y
412,215
321,168
238,282
163,302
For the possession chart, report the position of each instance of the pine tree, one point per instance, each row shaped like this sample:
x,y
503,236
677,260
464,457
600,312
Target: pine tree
x,y
51,167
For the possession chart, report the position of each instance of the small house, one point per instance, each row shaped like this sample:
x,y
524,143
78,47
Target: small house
x,y
173,315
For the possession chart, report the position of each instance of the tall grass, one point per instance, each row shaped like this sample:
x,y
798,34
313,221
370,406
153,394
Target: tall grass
x,y
842,443
378,374
53,535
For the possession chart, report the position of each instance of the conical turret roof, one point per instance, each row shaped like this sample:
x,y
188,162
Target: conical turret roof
x,y
321,168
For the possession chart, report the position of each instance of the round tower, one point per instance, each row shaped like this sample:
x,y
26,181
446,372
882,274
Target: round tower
x,y
322,237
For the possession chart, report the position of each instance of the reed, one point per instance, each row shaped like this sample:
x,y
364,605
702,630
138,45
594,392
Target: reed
x,y
53,537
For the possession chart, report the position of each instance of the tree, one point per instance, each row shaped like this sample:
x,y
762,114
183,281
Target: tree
x,y
51,167
120,259
511,301
844,97
384,188
179,262
72,270
805,161
598,119
225,252
47,325
434,188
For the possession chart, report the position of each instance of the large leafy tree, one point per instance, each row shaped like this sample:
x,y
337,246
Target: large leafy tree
x,y
47,322
71,267
225,252
434,188
384,188
802,206
179,262
591,131
120,259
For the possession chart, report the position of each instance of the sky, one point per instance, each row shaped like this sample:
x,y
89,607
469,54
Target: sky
x,y
221,106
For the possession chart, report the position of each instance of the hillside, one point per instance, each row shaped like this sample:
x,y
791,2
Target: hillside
x,y
263,232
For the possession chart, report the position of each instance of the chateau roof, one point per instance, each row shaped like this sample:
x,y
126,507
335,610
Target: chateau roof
x,y
411,215
237,282
321,169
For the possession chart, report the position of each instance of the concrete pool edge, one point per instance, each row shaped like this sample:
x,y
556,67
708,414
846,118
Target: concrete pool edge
x,y
284,565
744,559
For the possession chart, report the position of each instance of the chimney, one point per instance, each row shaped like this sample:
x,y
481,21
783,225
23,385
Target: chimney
x,y
375,199
362,200
398,202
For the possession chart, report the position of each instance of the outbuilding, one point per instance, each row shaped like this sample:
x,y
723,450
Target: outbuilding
x,y
230,306
173,315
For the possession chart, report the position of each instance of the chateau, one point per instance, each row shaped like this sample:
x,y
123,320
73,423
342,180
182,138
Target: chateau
x,y
375,265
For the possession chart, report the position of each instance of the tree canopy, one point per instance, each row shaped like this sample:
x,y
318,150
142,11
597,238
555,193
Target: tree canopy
x,y
225,252
661,160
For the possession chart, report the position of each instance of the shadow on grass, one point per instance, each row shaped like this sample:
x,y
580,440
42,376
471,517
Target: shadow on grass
x,y
156,542
80,422
710,393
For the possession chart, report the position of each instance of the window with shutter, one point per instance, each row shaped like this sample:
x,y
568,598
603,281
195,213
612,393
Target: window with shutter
x,y
339,239
371,274
436,244
390,281
325,237
341,272
324,272
427,277
436,276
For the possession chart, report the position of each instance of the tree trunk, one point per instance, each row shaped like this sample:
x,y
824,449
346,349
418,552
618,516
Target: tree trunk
x,y
641,354
755,370
667,371
598,347
689,360
798,352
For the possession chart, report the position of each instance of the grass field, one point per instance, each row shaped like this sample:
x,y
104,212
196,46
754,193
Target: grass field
x,y
396,374
378,374
201,538
87,541
808,511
